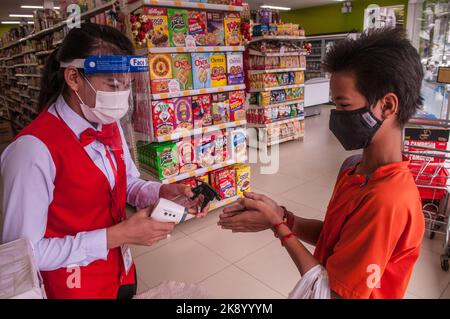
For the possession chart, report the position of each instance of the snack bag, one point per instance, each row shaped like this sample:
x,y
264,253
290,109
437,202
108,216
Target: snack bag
x,y
197,26
220,108
235,68
158,33
215,26
237,103
186,155
163,117
201,109
178,26
182,70
218,67
201,70
242,179
160,72
183,113
232,24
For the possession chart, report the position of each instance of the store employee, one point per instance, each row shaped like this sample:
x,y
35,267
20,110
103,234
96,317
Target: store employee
x,y
372,232
68,175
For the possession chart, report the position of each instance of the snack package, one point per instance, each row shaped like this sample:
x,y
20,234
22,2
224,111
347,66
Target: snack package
x,y
299,77
201,74
158,33
235,69
237,105
223,180
163,117
232,24
220,108
221,148
265,98
215,26
201,109
160,72
162,159
197,26
242,179
218,66
178,26
183,113
237,144
182,70
205,149
186,155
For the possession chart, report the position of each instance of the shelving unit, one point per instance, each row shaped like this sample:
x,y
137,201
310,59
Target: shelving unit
x,y
275,121
210,90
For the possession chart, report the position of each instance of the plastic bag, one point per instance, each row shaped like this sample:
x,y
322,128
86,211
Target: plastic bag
x,y
313,285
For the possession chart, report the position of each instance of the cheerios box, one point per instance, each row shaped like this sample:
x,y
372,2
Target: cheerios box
x,y
201,72
242,179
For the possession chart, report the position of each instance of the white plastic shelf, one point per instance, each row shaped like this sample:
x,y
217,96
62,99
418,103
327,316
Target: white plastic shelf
x,y
293,86
191,49
294,119
252,72
180,4
218,89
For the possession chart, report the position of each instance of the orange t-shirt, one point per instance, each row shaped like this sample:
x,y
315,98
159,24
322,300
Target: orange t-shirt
x,y
372,233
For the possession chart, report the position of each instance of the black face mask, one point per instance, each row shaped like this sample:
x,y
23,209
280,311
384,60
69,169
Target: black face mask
x,y
354,129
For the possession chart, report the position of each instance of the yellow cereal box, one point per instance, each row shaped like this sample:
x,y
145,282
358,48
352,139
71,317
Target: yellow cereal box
x,y
242,179
218,65
232,30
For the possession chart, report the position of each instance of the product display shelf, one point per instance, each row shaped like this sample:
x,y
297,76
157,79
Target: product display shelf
x,y
255,106
278,37
191,49
274,88
218,89
272,54
294,119
180,4
275,70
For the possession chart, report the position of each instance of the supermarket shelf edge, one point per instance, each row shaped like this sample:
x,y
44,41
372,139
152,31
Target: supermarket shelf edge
x,y
218,89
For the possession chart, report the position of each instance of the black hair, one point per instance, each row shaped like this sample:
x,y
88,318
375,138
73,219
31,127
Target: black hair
x,y
382,61
78,44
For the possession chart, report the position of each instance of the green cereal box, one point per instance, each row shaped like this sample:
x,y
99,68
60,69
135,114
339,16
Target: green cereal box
x,y
163,159
178,26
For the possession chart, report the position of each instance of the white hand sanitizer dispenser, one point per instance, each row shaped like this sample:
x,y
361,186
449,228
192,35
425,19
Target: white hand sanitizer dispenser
x,y
168,211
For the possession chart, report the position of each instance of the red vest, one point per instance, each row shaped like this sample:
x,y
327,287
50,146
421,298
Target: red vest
x,y
82,201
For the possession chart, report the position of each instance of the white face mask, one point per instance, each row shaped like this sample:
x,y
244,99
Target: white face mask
x,y
109,106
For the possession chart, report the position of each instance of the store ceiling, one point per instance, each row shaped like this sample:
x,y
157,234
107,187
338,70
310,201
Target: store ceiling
x,y
293,4
13,6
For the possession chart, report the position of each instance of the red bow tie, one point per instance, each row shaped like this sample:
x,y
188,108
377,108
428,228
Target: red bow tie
x,y
109,136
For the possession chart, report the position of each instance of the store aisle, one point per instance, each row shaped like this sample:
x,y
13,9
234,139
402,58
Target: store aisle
x,y
255,265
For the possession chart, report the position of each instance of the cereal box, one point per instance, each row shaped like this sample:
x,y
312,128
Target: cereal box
x,y
163,159
186,155
235,68
237,103
220,108
218,66
183,113
201,109
178,26
221,154
205,149
299,77
201,74
232,24
163,117
237,144
197,26
182,70
223,180
158,33
215,27
242,179
160,66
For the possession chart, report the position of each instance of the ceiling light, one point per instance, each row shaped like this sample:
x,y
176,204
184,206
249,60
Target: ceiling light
x,y
15,22
36,7
275,7
21,15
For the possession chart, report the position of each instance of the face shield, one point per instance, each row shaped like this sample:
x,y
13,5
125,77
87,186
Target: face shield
x,y
107,83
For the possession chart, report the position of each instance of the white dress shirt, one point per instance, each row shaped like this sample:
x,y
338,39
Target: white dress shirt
x,y
28,175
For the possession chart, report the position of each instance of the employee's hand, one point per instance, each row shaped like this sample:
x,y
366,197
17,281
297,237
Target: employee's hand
x,y
253,213
139,229
176,191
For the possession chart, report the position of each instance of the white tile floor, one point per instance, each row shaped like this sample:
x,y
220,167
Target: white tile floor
x,y
232,265
255,265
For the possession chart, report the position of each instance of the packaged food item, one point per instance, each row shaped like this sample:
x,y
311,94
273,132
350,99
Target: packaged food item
x,y
219,1
235,69
178,26
218,66
232,24
221,140
237,144
215,26
197,26
201,70
205,148
299,77
277,96
162,159
220,108
236,2
242,179
163,117
201,109
182,70
204,178
186,155
265,98
183,113
223,180
157,27
160,72
237,104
